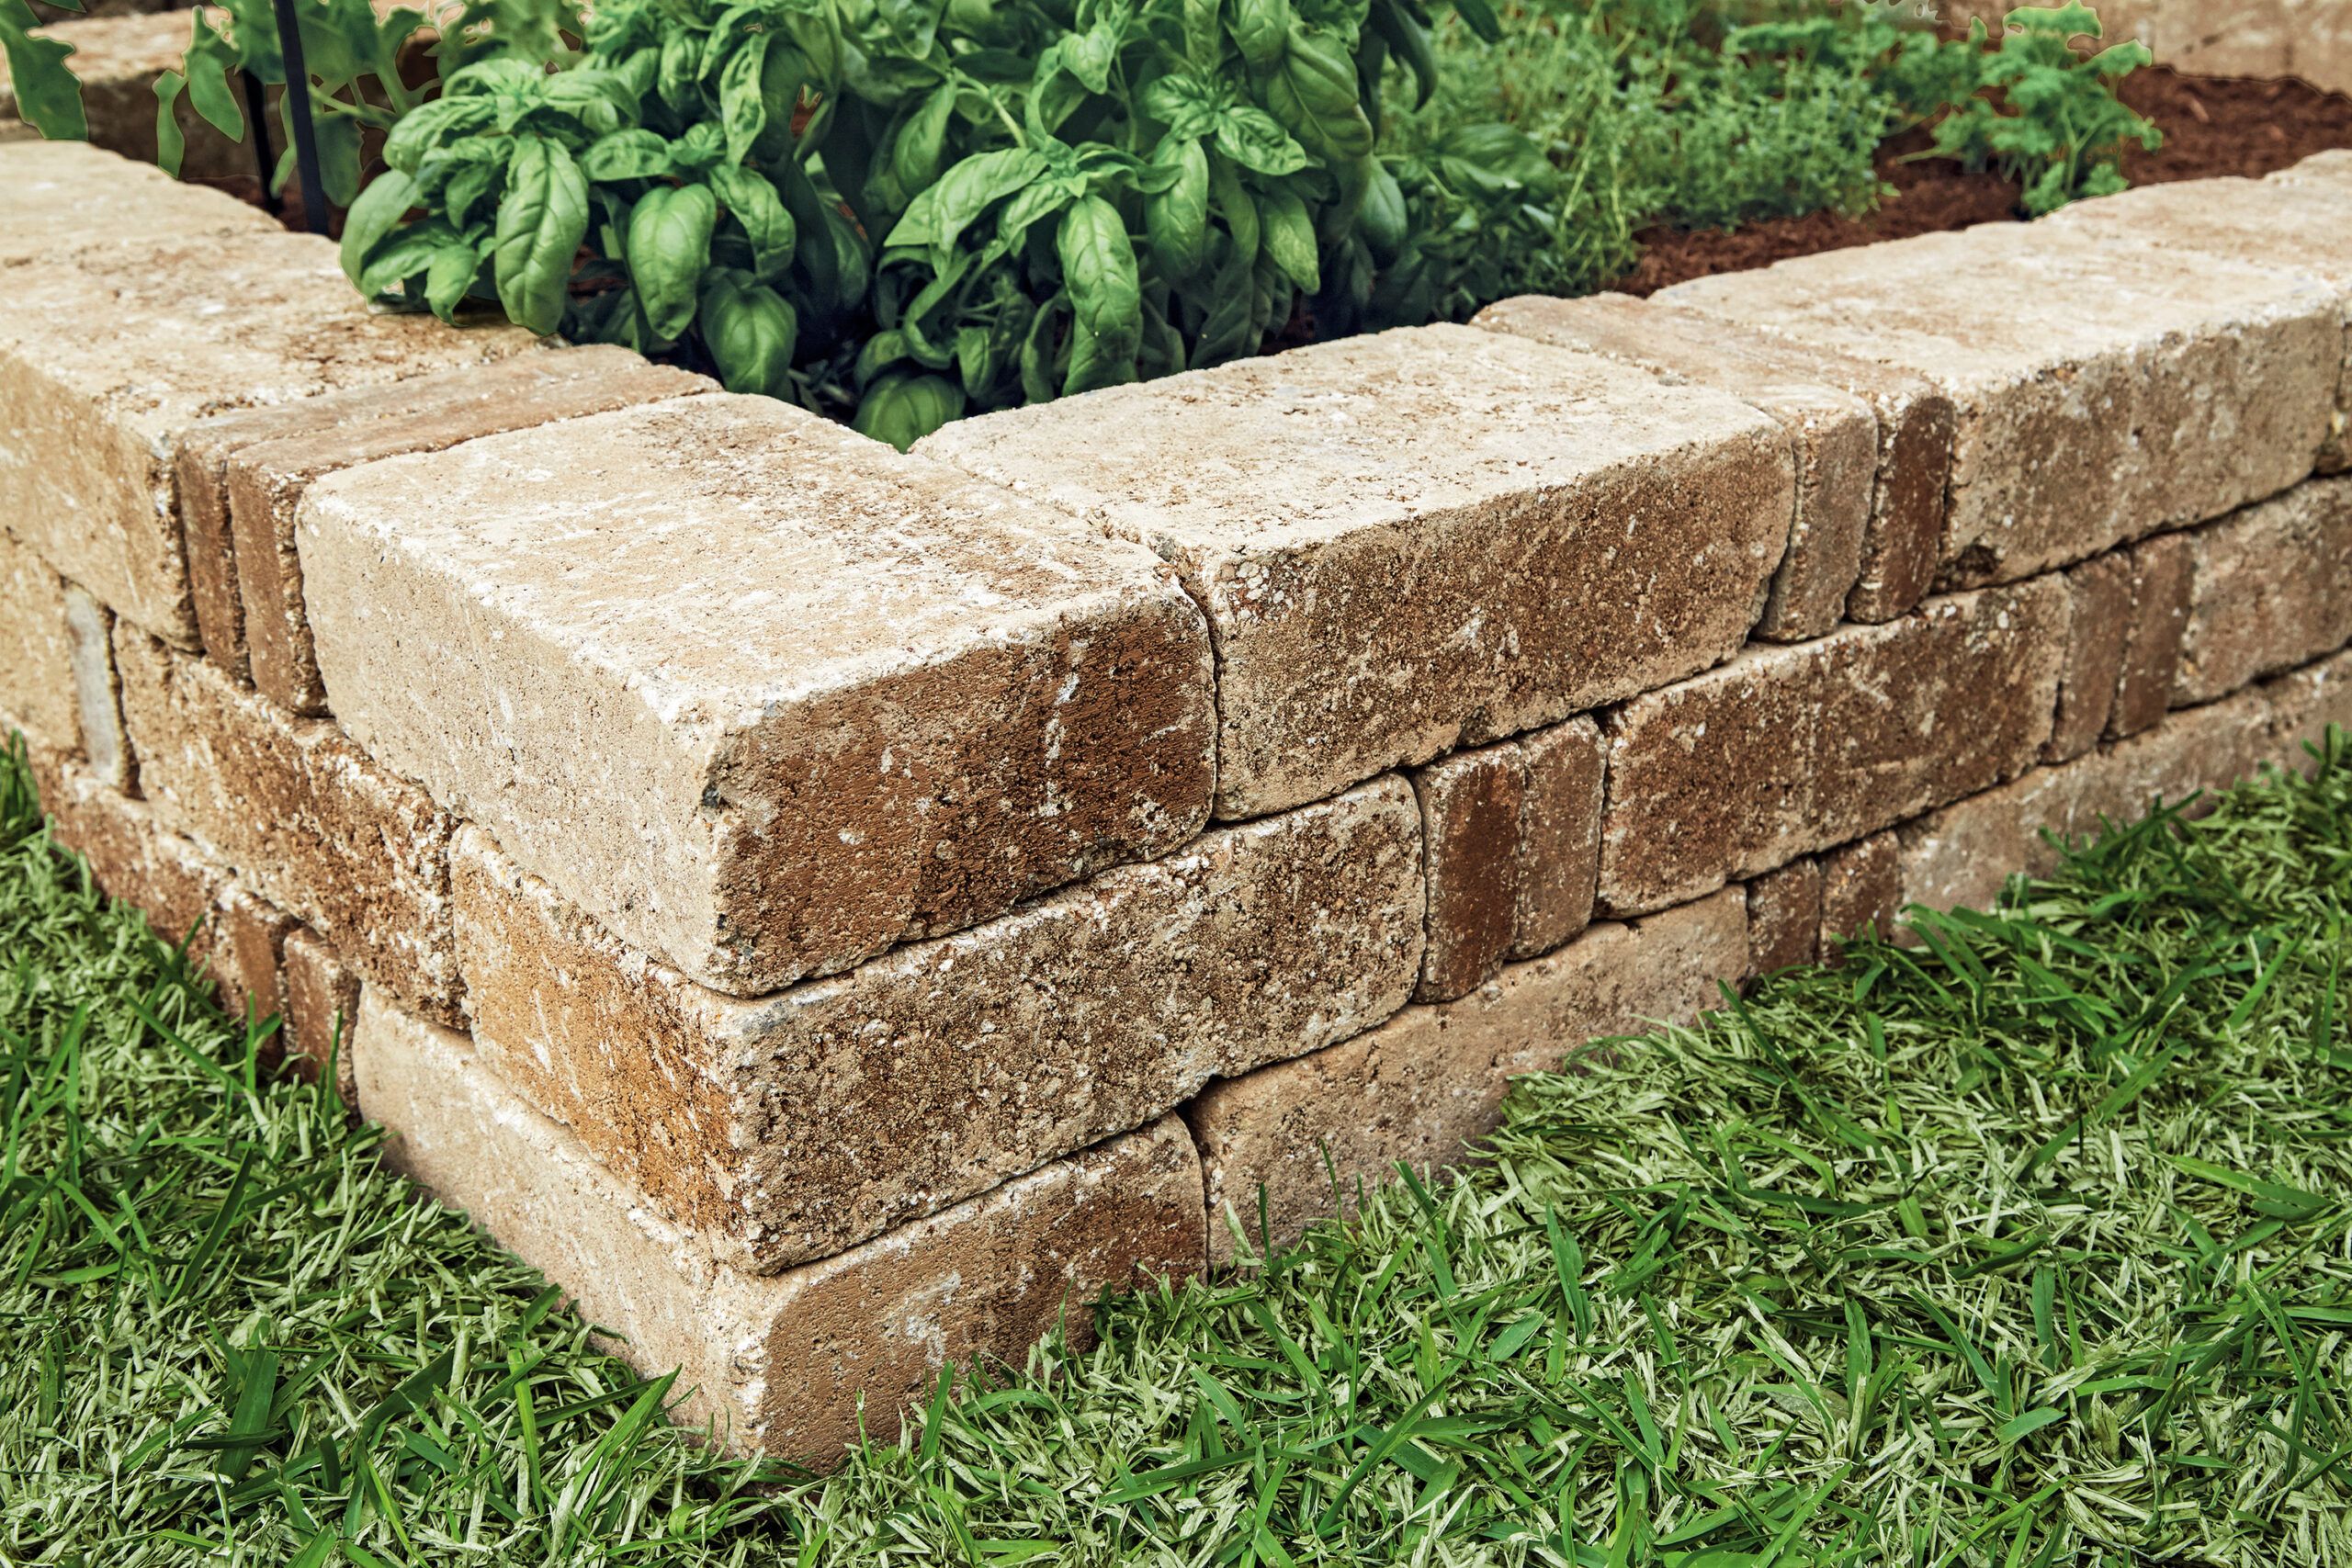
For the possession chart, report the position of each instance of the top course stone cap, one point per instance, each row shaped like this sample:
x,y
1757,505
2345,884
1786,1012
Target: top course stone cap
x,y
761,694
1418,539
2103,391
57,197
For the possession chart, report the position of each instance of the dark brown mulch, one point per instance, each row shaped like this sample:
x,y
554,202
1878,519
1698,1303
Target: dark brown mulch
x,y
2213,125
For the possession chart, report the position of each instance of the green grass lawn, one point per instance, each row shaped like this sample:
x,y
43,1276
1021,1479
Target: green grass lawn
x,y
2031,1247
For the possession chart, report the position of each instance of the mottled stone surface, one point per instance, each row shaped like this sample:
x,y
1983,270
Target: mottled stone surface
x,y
2098,628
1832,433
792,1126
1790,751
58,197
243,474
778,1362
2303,704
321,997
1861,890
309,818
1471,804
2304,227
36,651
135,856
248,937
1963,854
2160,587
2270,588
98,691
824,698
107,357
2105,391
1424,1085
1784,916
1559,834
1418,539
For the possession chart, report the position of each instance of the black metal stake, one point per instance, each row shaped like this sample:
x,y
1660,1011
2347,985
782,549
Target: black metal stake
x,y
257,116
298,106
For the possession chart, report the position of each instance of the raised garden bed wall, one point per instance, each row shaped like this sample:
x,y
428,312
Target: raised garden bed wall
x,y
2310,38
836,911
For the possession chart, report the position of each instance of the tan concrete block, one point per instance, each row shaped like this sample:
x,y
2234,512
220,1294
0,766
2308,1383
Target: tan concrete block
x,y
248,935
2161,585
1963,854
137,858
97,692
1783,917
1833,435
315,825
322,999
2270,588
107,358
1861,890
2099,626
61,198
1559,834
792,1126
1427,1084
1790,751
1418,539
243,474
778,1363
2107,391
37,687
2282,226
823,698
1471,804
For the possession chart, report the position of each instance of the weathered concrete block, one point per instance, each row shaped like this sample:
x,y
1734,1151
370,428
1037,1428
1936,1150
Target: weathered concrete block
x,y
789,1127
36,650
2111,391
309,818
322,999
778,1363
823,698
1790,751
242,475
1471,804
2099,626
1428,1082
59,198
1833,435
2302,704
1963,854
98,691
107,357
2152,640
249,935
2270,588
1861,890
136,857
1418,539
1783,917
1559,834
2279,225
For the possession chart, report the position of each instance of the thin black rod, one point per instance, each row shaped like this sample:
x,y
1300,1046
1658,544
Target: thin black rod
x,y
257,116
297,107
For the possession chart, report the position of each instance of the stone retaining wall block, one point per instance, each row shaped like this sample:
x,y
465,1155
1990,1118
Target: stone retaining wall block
x,y
2270,588
779,1363
97,692
1783,917
826,698
1418,539
789,1127
2098,628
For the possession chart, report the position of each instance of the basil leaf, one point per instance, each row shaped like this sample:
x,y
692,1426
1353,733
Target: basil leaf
x,y
451,274
1290,237
632,154
742,107
1105,295
1259,29
669,248
1251,138
915,151
1176,219
1315,93
541,221
383,205
752,202
902,409
938,216
751,329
